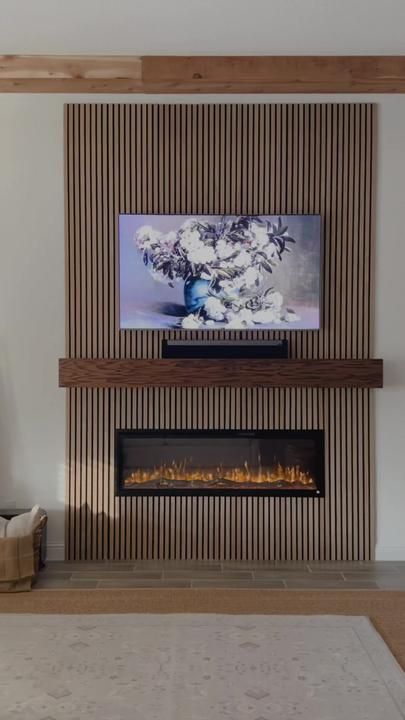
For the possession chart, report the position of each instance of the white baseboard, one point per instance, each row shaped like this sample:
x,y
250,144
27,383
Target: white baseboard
x,y
390,553
55,551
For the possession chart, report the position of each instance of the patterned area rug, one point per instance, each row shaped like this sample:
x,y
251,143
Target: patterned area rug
x,y
196,667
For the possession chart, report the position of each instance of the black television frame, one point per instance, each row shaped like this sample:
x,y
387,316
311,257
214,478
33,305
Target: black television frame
x,y
221,329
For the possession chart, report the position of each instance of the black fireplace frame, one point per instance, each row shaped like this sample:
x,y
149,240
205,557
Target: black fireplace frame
x,y
316,435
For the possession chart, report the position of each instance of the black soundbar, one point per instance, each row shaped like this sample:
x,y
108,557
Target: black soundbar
x,y
265,349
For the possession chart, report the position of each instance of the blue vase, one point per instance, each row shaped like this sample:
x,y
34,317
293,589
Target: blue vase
x,y
196,292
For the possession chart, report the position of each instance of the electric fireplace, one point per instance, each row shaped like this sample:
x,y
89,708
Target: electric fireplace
x,y
220,462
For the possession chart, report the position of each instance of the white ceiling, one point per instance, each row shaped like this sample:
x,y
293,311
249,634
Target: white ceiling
x,y
202,26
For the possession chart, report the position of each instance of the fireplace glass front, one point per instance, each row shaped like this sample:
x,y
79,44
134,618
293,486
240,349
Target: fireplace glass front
x,y
215,462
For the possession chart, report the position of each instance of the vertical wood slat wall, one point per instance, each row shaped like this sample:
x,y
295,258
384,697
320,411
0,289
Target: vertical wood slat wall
x,y
219,158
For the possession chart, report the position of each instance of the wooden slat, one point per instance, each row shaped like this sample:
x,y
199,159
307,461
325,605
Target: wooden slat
x,y
202,74
120,373
220,158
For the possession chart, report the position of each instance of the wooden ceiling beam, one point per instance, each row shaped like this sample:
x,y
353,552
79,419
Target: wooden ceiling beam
x,y
276,74
201,74
70,74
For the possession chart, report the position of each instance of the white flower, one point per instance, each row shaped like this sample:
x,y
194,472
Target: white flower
x,y
259,235
202,254
246,315
291,316
147,236
190,239
169,240
224,249
189,223
236,323
250,276
191,322
276,299
262,317
214,308
232,287
243,259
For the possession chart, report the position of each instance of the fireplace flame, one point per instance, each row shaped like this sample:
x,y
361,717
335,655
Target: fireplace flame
x,y
178,474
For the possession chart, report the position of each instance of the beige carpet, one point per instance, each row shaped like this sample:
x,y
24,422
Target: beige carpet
x,y
386,609
201,666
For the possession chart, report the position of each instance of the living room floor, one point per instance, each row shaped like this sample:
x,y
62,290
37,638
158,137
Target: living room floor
x,y
337,575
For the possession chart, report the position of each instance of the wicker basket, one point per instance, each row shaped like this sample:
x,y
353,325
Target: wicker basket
x,y
36,542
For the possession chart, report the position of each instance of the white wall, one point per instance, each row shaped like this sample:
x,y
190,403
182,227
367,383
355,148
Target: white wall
x,y
32,408
390,328
369,27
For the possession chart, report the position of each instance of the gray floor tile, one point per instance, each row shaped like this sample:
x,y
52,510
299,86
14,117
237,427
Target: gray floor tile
x,y
143,583
264,565
386,565
167,565
391,582
54,584
297,575
90,566
222,582
234,575
208,573
54,575
335,566
112,575
284,568
352,566
400,566
360,585
373,575
330,584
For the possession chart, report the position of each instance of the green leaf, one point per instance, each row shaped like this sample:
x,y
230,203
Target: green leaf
x,y
267,266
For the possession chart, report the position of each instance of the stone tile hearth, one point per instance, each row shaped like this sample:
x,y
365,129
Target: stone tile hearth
x,y
193,574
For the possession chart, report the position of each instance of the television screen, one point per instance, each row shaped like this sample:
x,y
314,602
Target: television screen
x,y
207,272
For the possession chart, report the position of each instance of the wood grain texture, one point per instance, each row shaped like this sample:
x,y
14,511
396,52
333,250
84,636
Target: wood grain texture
x,y
215,158
70,74
202,74
275,74
110,373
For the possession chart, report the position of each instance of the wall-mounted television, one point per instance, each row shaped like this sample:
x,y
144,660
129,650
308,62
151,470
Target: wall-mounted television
x,y
208,272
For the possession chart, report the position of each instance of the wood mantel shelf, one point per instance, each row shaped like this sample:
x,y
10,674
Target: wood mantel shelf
x,y
111,373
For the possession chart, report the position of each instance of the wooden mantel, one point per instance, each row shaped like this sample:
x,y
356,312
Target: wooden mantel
x,y
202,74
110,373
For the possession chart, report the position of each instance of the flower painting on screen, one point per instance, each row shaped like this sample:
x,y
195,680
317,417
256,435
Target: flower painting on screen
x,y
219,271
